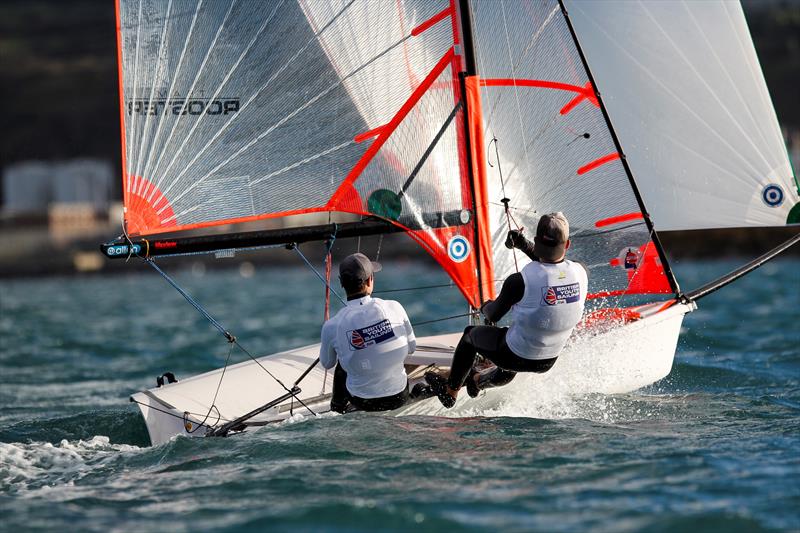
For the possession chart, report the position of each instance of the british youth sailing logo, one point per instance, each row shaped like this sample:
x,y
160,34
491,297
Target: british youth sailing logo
x,y
356,340
561,294
370,335
550,296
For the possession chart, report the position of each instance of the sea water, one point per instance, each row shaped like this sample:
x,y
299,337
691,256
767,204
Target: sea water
x,y
713,447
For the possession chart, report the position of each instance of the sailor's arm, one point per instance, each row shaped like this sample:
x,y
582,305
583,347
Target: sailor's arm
x,y
512,292
515,239
327,352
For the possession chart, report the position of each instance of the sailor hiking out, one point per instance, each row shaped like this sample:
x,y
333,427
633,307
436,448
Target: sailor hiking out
x,y
546,300
367,341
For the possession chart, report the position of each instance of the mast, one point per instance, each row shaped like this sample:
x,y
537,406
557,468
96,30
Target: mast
x,y
470,65
656,241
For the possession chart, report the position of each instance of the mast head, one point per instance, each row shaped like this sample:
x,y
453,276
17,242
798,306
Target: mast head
x,y
552,237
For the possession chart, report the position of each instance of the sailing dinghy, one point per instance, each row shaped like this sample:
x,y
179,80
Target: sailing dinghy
x,y
452,122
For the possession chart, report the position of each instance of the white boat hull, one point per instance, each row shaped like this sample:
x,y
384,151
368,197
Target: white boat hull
x,y
618,360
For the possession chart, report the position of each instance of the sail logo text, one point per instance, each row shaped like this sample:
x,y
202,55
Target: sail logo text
x,y
183,106
122,249
561,294
370,335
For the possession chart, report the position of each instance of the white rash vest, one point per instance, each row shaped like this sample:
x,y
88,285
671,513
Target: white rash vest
x,y
371,338
542,321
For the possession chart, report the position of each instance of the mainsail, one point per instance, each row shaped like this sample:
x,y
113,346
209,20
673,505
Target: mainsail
x,y
236,111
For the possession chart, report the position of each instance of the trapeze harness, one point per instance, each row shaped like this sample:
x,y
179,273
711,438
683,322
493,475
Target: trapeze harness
x,y
370,338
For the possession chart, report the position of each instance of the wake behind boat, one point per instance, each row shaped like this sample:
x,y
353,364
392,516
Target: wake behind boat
x,y
452,122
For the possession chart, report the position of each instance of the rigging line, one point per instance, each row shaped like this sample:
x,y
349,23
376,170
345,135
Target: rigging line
x,y
180,417
292,392
186,420
516,93
327,313
442,319
191,300
415,288
505,200
378,251
224,250
322,279
229,336
216,393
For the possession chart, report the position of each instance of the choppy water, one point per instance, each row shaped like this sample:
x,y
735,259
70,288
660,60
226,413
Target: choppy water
x,y
714,447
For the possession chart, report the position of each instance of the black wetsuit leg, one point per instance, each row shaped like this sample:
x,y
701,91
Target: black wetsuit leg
x,y
341,396
484,339
490,342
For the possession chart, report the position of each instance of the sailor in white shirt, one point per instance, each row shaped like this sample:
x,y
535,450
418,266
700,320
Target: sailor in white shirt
x,y
370,339
546,300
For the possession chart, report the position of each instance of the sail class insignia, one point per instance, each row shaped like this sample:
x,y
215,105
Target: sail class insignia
x,y
773,195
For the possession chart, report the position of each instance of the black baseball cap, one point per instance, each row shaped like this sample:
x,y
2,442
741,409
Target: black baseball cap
x,y
552,234
357,268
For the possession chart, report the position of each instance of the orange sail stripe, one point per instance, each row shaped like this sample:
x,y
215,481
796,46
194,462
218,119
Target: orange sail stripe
x,y
617,219
478,157
356,171
544,84
587,95
598,162
121,107
454,24
443,14
369,134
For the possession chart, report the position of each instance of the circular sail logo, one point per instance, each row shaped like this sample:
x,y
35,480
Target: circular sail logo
x,y
458,249
772,195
